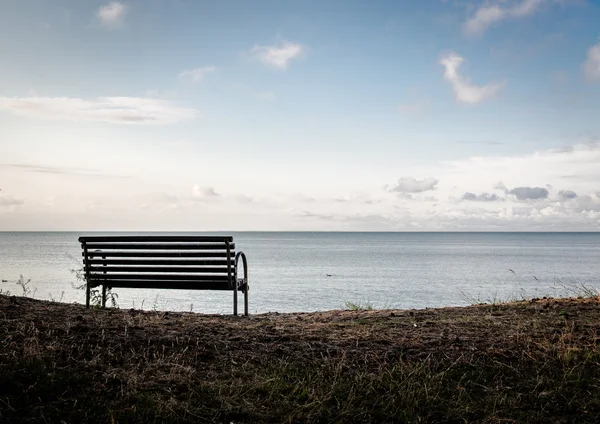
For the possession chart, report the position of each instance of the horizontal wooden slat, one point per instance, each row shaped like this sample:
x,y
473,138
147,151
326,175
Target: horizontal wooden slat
x,y
160,284
162,277
158,246
92,239
169,269
147,262
135,254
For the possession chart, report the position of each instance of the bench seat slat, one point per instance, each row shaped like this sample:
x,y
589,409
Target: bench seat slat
x,y
173,277
189,269
134,254
156,246
192,262
161,284
196,239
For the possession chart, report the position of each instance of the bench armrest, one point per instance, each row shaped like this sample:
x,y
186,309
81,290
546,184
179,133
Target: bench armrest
x,y
241,283
244,280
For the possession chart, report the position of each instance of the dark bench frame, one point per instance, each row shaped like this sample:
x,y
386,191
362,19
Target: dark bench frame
x,y
164,262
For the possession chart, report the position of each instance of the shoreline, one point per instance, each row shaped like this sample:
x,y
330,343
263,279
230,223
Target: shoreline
x,y
526,361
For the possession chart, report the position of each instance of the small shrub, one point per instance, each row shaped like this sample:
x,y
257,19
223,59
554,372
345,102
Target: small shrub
x,y
96,292
358,306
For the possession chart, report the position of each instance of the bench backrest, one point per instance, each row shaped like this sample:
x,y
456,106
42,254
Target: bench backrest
x,y
165,262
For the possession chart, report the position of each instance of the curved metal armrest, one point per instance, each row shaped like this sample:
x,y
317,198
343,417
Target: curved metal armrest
x,y
244,280
241,283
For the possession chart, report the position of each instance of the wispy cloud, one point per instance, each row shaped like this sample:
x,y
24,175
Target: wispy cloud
x,y
490,14
581,162
204,193
414,108
354,221
242,198
483,197
9,202
278,56
112,14
118,110
357,198
154,201
482,142
62,170
591,66
268,96
197,74
413,185
308,214
464,90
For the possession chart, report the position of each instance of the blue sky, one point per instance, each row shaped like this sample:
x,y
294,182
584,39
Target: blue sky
x,y
313,115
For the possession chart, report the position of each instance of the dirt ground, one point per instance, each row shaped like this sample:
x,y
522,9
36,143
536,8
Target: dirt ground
x,y
532,361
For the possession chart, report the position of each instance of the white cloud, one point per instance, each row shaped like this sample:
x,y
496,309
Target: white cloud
x,y
489,14
112,14
278,56
591,66
544,169
483,18
464,90
119,110
204,193
348,207
197,74
412,185
525,8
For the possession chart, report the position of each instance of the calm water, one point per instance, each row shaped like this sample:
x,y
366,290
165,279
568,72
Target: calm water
x,y
288,271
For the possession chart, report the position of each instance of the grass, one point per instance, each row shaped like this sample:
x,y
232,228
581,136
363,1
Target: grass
x,y
358,306
533,361
558,288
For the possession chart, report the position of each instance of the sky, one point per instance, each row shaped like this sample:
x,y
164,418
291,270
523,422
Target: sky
x,y
275,115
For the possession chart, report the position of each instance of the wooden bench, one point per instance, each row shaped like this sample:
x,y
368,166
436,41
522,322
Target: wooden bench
x,y
164,262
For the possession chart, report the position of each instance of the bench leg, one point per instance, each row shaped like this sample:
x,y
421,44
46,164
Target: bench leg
x,y
235,300
104,296
246,299
87,295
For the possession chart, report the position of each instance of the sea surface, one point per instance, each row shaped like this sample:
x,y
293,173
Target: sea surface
x,y
305,271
